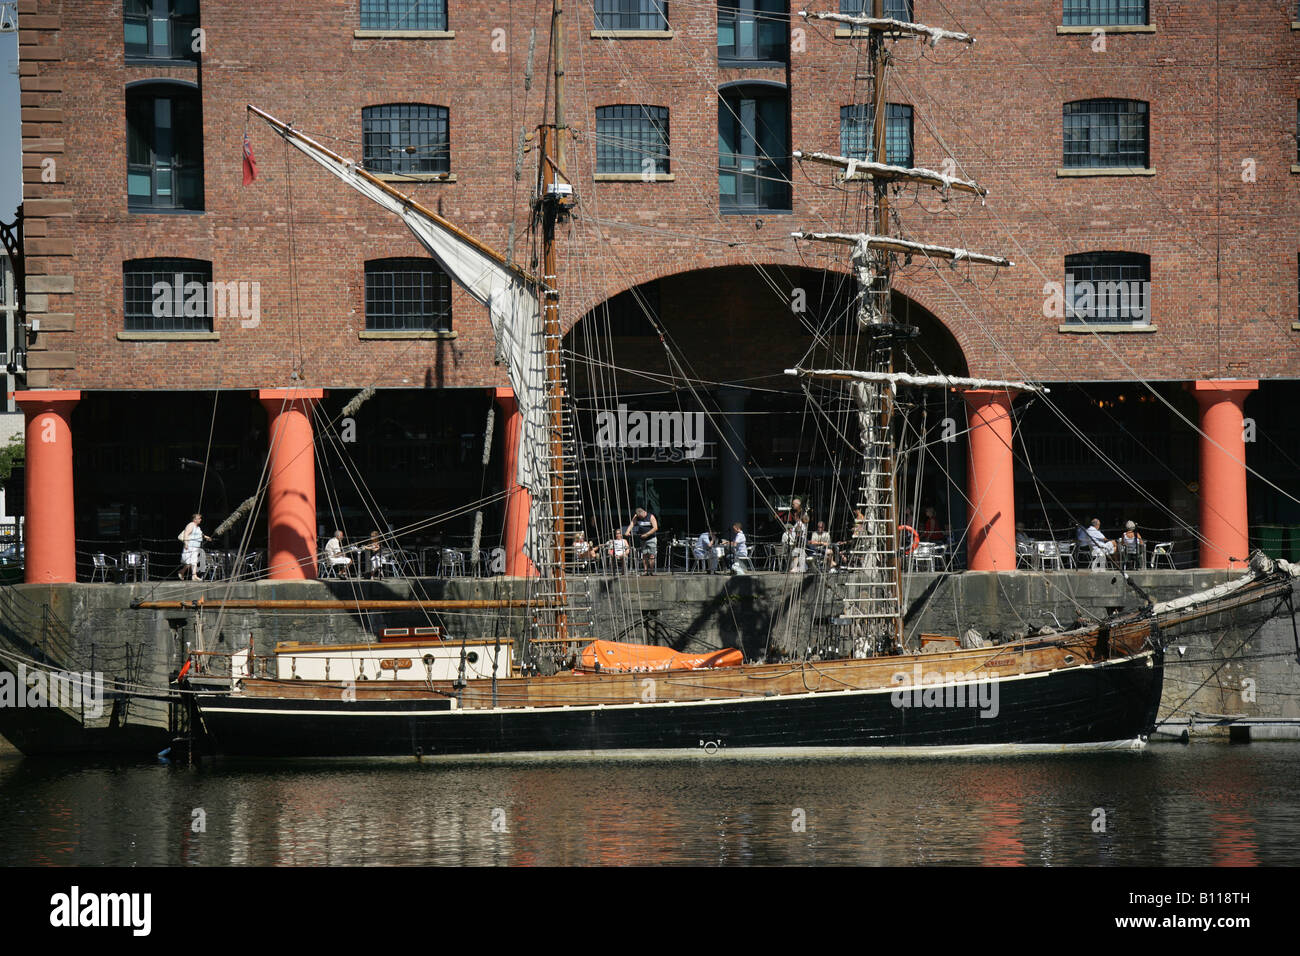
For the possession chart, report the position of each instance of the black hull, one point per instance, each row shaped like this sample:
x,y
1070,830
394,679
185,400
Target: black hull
x,y
1074,707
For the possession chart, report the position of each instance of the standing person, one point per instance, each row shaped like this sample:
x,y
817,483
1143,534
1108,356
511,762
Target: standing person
x,y
375,560
930,530
703,551
1101,546
740,550
643,529
192,538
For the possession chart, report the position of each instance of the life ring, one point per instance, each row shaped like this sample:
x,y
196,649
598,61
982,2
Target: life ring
x,y
916,538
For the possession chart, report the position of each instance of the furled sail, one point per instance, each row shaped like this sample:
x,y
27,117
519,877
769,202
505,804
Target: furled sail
x,y
510,294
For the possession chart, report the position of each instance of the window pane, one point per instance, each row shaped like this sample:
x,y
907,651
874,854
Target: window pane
x,y
895,9
1104,12
407,295
406,138
753,30
167,295
164,148
855,133
404,14
160,29
631,15
1102,287
628,136
1105,133
753,150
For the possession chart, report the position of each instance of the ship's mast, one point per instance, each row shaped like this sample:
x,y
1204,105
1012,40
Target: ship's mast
x,y
873,606
552,208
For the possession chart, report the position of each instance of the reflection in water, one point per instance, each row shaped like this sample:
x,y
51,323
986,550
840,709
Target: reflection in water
x,y
1200,805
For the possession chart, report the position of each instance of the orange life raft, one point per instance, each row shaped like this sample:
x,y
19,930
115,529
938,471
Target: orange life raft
x,y
614,657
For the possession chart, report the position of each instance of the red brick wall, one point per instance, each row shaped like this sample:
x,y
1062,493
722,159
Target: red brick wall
x,y
1218,94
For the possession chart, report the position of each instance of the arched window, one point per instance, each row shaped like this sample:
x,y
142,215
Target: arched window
x,y
167,295
1106,133
164,132
754,148
407,295
409,138
1108,288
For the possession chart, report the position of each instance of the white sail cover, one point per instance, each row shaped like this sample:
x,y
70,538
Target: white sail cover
x,y
513,308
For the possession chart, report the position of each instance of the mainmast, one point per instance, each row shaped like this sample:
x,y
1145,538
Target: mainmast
x,y
873,607
552,208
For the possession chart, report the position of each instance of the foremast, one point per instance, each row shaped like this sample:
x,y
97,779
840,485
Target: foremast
x,y
873,605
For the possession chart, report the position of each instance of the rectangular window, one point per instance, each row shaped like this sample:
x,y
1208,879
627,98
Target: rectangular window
x,y
753,150
400,15
631,15
1105,133
407,295
1107,288
855,133
160,29
164,149
753,32
167,295
1104,13
406,138
894,9
632,139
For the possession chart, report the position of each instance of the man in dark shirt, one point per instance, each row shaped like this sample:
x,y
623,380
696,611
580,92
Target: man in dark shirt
x,y
643,530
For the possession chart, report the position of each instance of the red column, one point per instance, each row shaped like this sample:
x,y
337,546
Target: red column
x,y
1224,541
291,490
518,501
51,541
990,481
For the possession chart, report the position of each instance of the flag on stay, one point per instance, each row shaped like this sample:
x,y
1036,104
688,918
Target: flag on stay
x,y
250,164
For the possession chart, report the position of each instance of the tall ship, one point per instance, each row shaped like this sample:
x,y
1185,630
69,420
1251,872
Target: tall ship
x,y
560,684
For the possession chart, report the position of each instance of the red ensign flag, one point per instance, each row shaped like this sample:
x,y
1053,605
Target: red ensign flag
x,y
250,164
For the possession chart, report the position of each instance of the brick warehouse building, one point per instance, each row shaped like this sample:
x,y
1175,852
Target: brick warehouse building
x,y
1161,150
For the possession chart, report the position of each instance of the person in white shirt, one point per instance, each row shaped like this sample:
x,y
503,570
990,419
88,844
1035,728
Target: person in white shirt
x,y
792,543
1100,545
335,556
618,551
820,542
703,551
740,549
192,553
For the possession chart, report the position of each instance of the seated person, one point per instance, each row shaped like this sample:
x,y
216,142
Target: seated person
x,y
334,554
1131,546
374,558
793,545
704,551
583,550
820,545
930,530
618,551
1101,546
1023,540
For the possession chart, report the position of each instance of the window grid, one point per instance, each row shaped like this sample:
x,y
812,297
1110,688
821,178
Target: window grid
x,y
407,295
855,133
404,14
1104,13
631,15
626,135
1107,288
753,150
160,29
1105,133
406,138
143,298
894,9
